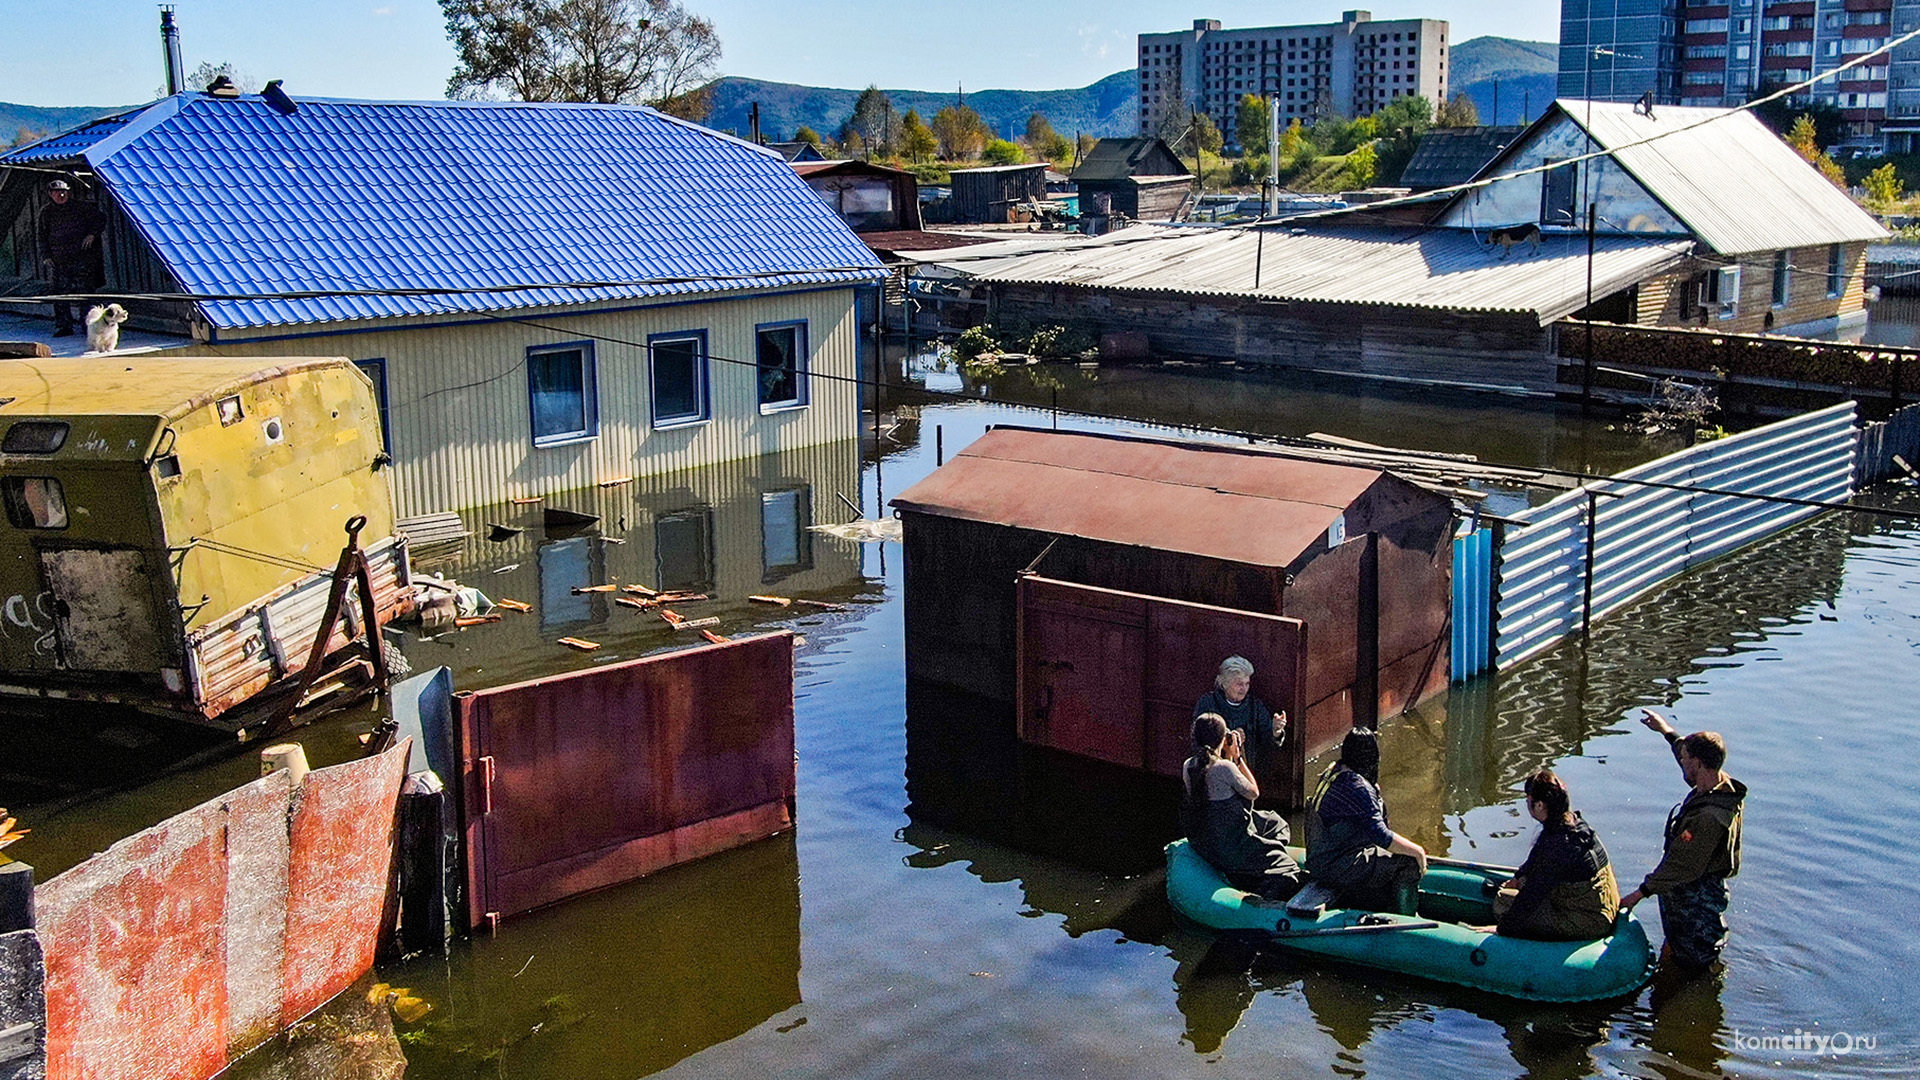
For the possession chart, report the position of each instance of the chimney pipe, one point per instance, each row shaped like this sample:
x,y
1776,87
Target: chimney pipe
x,y
170,51
753,125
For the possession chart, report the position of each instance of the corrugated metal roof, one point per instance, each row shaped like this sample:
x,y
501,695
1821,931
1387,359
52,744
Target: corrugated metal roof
x,y
1442,269
69,144
999,168
1731,181
1120,159
360,195
1240,506
1448,156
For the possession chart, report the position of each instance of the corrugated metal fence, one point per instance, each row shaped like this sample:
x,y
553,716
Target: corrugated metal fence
x,y
1898,434
1472,604
1592,550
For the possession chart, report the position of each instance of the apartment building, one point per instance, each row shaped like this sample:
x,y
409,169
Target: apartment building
x,y
1349,68
1689,52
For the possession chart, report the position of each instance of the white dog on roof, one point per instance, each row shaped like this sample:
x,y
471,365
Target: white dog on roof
x,y
103,327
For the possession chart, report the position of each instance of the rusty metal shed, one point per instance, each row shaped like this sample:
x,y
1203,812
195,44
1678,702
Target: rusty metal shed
x,y
1360,558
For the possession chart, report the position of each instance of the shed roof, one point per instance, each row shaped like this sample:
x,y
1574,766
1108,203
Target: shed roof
x,y
985,169
1121,159
1436,269
238,198
134,386
1448,156
1220,502
1733,183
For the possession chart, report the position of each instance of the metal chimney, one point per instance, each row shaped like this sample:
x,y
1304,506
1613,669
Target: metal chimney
x,y
170,51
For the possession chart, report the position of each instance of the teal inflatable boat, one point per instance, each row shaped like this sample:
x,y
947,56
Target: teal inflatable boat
x,y
1433,945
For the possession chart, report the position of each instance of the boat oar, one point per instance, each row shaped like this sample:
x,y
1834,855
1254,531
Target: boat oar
x,y
1462,864
1358,928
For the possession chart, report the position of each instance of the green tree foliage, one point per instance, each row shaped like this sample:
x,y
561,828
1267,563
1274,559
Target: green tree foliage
x,y
1363,165
1884,186
960,131
874,121
1084,146
1293,142
1398,129
809,136
916,138
1206,134
1805,139
1002,152
649,52
1460,112
1250,124
1046,142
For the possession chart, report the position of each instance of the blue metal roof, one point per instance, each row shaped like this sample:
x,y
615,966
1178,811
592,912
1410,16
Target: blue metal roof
x,y
237,198
70,144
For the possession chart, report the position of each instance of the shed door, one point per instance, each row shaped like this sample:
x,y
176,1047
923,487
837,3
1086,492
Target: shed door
x,y
103,608
1114,675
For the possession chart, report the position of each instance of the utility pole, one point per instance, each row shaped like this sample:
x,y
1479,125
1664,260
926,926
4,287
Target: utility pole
x,y
1272,207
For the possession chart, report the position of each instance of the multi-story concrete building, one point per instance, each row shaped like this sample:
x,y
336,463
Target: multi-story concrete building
x,y
1348,68
1686,52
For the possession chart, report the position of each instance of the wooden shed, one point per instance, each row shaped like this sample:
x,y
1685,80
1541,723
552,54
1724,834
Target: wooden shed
x,y
868,197
1096,581
988,195
172,524
1141,178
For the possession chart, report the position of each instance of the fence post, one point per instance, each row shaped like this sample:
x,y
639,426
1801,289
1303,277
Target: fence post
x,y
1586,584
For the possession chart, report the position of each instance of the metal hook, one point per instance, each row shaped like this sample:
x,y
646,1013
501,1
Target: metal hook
x,y
354,525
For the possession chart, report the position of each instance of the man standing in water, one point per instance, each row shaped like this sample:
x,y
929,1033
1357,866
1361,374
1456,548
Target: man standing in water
x,y
1702,849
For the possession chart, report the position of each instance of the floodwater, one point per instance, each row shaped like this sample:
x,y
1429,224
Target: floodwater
x,y
952,904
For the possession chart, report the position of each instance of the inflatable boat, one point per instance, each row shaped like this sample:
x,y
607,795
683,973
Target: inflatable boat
x,y
1436,944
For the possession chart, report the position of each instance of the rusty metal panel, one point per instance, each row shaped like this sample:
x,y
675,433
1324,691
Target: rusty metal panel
x,y
257,866
584,780
1245,506
341,843
103,608
1113,675
136,955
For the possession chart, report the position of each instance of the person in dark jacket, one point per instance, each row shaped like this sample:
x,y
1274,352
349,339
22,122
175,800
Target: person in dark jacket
x,y
1565,891
69,249
1350,849
1702,850
1233,700
1247,846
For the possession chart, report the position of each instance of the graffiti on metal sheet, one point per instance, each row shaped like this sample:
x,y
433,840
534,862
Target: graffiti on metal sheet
x,y
19,613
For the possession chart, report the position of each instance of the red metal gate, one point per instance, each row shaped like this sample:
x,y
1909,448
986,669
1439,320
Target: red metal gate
x,y
1114,675
588,779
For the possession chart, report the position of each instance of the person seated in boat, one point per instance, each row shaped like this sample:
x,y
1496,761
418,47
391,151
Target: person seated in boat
x,y
1565,891
1233,700
1247,846
1350,849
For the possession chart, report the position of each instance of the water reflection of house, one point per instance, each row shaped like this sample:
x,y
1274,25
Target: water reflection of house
x,y
732,530
608,291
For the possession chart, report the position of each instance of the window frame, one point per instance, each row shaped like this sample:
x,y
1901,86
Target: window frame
x,y
589,395
703,379
1836,271
20,511
802,367
1550,180
375,369
1782,278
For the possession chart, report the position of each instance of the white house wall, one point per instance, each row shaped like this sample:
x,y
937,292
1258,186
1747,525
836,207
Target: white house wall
x,y
459,403
1625,206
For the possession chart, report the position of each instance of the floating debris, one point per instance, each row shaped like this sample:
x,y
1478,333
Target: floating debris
x,y
514,605
509,568
778,601
695,624
717,639
582,589
579,643
477,620
640,590
628,601
616,481
529,500
863,531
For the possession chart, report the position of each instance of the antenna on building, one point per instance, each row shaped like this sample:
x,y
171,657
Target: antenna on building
x,y
1645,105
170,51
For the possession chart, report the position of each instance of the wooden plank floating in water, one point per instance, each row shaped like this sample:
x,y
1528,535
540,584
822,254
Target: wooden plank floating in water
x,y
529,500
579,643
581,589
514,605
640,590
628,601
478,620
779,601
616,481
695,624
717,639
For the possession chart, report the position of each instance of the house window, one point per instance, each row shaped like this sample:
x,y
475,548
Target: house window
x,y
1836,271
781,354
786,544
1781,280
376,371
1557,195
1720,291
677,366
561,381
35,502
683,550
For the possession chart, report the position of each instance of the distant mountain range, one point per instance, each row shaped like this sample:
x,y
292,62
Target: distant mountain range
x,y
1524,70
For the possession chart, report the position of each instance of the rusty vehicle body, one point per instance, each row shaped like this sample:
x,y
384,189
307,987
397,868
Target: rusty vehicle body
x,y
171,524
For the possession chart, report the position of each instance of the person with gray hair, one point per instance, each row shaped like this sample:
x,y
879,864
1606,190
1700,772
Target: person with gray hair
x,y
1232,698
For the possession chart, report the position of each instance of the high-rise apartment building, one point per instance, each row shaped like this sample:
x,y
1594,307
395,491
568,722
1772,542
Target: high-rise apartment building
x,y
1686,52
1349,68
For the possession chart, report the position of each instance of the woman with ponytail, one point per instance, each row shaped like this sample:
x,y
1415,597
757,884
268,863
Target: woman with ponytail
x,y
1565,891
1247,846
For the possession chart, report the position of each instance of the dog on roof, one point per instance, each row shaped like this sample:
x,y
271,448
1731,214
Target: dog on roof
x,y
103,327
1513,236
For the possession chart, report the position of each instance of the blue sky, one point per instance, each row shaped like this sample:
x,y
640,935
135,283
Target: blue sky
x,y
107,52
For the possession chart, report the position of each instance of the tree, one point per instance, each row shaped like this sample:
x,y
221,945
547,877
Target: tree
x,y
1002,152
1363,165
1460,112
916,138
647,52
1250,124
1206,134
1780,114
874,120
1040,131
1293,141
1399,127
1884,185
809,136
1803,137
206,72
1084,145
27,135
960,131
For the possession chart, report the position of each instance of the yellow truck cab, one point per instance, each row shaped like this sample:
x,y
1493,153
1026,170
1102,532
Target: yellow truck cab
x,y
171,525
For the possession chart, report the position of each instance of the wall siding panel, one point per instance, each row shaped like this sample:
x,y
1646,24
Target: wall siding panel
x,y
459,410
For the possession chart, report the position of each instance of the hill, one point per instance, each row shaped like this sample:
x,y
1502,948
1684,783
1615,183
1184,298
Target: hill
x,y
15,119
1527,72
1108,107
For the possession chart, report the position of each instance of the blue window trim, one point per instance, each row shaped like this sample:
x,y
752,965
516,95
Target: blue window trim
x,y
705,375
802,363
590,393
375,369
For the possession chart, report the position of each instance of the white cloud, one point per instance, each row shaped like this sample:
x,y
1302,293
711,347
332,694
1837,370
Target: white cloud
x,y
383,12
